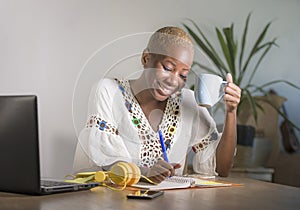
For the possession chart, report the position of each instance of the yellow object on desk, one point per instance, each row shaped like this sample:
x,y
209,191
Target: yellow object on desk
x,y
121,173
210,183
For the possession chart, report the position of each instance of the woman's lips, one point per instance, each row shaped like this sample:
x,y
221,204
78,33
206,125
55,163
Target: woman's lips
x,y
163,90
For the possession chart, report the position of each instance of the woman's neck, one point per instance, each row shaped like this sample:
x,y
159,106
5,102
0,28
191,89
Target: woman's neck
x,y
143,94
152,108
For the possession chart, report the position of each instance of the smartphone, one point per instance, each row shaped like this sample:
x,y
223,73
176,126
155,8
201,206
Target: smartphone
x,y
145,194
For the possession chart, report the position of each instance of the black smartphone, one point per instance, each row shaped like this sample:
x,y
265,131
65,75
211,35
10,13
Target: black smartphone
x,y
145,194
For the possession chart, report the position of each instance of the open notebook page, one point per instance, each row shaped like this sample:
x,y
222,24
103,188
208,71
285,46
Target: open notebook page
x,y
174,182
177,182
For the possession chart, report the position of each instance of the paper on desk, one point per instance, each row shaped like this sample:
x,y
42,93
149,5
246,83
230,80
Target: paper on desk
x,y
209,183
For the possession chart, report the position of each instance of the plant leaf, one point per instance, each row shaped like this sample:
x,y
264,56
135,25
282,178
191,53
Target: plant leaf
x,y
252,103
228,32
224,47
210,70
201,44
211,54
205,39
244,42
268,47
280,81
255,48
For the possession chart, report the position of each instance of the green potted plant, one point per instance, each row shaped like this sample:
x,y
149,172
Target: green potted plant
x,y
234,60
231,57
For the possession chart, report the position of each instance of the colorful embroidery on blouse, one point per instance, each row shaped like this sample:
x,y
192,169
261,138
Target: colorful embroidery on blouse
x,y
151,148
102,125
205,142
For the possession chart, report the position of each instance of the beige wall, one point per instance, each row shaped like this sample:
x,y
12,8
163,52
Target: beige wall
x,y
44,46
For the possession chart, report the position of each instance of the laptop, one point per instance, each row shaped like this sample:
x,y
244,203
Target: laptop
x,y
19,150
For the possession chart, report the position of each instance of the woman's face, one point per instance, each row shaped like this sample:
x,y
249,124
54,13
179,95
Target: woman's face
x,y
166,74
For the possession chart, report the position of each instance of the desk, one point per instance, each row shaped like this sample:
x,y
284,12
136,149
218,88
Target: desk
x,y
253,194
260,173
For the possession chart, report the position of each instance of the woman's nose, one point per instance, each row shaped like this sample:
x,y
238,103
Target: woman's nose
x,y
173,79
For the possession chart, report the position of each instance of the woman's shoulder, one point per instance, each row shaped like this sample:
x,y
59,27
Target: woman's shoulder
x,y
106,87
107,83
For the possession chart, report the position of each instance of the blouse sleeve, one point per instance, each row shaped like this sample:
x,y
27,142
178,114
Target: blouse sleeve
x,y
205,145
204,141
99,141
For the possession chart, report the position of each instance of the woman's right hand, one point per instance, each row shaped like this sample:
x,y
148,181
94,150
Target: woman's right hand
x,y
161,170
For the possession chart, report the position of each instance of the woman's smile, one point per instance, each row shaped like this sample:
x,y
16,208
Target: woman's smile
x,y
163,89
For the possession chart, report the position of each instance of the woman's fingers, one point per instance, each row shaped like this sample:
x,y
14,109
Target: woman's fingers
x,y
233,94
229,78
175,166
161,170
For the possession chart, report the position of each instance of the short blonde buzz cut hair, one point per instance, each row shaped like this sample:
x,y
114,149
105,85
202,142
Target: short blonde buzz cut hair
x,y
168,37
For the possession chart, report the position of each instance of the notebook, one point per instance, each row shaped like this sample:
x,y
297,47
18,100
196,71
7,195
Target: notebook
x,y
179,182
19,149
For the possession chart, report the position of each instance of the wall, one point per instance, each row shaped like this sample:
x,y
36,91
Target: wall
x,y
50,48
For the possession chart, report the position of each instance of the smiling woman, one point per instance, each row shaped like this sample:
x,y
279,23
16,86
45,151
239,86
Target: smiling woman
x,y
167,61
126,116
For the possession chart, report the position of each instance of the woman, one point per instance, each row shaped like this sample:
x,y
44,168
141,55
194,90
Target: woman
x,y
126,115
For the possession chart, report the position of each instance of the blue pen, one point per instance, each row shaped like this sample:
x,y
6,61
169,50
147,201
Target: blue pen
x,y
161,139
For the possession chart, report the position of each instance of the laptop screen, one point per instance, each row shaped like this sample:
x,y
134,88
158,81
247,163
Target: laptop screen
x,y
19,149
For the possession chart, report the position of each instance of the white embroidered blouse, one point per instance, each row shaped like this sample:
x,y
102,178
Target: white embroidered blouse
x,y
118,130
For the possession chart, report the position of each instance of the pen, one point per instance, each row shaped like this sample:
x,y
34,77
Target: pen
x,y
161,139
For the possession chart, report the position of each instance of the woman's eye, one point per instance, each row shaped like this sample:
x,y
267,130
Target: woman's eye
x,y
166,68
183,77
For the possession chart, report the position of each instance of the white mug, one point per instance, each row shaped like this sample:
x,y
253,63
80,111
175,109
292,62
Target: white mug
x,y
209,89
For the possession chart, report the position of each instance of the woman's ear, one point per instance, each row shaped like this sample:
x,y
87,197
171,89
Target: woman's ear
x,y
145,57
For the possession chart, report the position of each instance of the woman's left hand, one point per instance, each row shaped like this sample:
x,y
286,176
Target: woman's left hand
x,y
232,94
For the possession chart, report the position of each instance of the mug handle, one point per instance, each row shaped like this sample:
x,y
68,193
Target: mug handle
x,y
222,92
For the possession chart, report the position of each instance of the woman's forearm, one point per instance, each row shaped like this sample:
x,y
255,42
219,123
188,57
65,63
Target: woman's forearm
x,y
226,148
